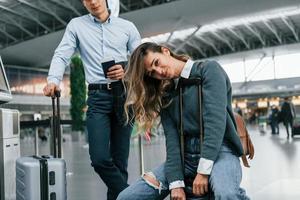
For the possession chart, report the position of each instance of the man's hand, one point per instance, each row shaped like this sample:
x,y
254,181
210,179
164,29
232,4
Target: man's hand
x,y
200,184
177,194
115,72
50,88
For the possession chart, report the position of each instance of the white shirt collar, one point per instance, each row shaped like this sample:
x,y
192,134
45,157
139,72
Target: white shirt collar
x,y
186,71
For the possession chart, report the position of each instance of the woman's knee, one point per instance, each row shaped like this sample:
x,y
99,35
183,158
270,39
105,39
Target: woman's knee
x,y
151,180
226,194
147,187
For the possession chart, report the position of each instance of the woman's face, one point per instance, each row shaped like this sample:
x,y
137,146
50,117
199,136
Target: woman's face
x,y
160,65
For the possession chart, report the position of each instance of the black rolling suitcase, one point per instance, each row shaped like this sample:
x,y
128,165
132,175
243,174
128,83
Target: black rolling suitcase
x,y
296,128
189,82
43,177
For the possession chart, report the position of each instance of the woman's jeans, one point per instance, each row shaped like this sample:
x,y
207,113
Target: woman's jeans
x,y
224,180
109,138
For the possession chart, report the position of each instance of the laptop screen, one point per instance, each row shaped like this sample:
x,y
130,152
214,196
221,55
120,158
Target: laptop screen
x,y
5,93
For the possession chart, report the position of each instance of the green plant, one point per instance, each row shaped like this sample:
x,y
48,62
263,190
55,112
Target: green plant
x,y
78,93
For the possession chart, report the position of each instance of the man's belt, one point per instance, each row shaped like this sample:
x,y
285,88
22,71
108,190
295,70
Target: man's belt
x,y
107,86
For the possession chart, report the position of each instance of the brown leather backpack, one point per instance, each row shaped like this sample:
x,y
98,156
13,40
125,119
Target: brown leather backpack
x,y
245,139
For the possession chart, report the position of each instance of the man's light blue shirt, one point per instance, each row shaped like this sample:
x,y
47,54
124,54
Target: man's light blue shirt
x,y
96,42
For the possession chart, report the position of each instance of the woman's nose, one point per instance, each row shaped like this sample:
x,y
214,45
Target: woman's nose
x,y
158,70
92,2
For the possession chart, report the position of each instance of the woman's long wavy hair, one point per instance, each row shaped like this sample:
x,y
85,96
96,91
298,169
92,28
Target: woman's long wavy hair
x,y
144,93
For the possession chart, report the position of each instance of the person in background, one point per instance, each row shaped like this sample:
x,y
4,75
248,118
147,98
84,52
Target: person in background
x,y
288,114
42,134
157,73
273,118
239,111
98,36
252,118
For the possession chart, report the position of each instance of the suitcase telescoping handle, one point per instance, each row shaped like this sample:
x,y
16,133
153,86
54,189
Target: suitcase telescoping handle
x,y
198,83
182,84
56,137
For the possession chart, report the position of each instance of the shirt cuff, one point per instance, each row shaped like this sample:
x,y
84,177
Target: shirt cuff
x,y
176,184
53,80
205,166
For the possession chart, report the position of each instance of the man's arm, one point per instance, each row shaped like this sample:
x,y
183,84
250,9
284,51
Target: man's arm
x,y
61,60
116,72
293,110
134,39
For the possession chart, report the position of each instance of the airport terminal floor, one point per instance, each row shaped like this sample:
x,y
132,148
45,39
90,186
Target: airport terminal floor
x,y
274,172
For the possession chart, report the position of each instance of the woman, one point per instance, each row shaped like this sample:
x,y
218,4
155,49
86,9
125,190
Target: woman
x,y
152,83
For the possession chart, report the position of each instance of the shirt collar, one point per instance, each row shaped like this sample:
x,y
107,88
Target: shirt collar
x,y
95,19
186,71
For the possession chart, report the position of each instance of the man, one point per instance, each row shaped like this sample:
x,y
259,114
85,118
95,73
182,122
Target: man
x,y
274,115
98,36
287,114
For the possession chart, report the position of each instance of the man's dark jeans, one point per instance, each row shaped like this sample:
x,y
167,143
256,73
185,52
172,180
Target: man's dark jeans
x,y
287,123
109,137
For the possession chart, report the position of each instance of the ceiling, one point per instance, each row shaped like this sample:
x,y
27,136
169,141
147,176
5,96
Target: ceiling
x,y
278,28
30,30
22,20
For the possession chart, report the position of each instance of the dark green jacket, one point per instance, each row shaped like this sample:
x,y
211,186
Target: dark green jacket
x,y
219,123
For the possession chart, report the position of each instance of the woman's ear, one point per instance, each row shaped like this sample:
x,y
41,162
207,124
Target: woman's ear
x,y
165,51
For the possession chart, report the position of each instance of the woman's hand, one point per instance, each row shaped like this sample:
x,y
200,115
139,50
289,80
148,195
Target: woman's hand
x,y
200,184
177,194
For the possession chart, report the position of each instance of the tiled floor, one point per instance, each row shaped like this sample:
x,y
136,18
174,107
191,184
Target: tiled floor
x,y
274,172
